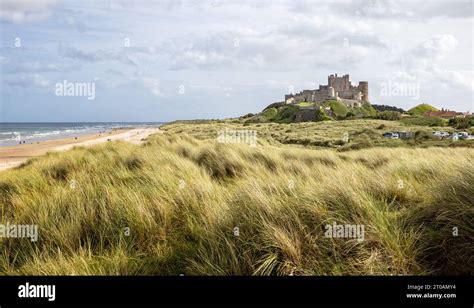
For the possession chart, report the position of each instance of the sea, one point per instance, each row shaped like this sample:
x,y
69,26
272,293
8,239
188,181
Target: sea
x,y
16,133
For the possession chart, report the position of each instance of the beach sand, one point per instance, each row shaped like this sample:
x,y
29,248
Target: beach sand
x,y
13,156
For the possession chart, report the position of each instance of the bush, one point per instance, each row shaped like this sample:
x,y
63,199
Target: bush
x,y
460,123
321,115
389,115
248,115
338,108
286,114
269,114
422,135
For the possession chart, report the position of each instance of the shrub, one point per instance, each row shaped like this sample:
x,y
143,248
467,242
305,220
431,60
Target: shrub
x,y
460,122
388,115
422,135
270,113
248,115
338,108
321,115
286,114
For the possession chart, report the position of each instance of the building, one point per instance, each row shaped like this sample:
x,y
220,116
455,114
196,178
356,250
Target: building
x,y
446,114
338,88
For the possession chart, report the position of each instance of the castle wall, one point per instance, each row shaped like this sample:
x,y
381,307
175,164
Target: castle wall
x,y
307,96
349,94
321,96
338,87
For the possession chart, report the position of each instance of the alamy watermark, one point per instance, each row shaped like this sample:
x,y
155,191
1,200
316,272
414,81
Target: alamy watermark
x,y
395,88
237,136
66,88
345,231
19,231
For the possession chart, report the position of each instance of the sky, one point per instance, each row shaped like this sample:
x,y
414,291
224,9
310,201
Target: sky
x,y
167,60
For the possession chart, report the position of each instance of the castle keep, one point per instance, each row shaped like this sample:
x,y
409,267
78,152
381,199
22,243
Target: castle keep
x,y
338,88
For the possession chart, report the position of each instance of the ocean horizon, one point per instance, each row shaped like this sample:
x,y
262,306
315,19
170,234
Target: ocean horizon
x,y
13,133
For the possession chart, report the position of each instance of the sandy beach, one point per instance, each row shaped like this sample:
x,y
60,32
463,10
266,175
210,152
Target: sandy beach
x,y
13,156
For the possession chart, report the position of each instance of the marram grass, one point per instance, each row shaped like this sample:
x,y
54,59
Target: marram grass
x,y
171,205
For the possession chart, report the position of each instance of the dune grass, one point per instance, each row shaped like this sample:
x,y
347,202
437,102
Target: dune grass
x,y
340,135
171,206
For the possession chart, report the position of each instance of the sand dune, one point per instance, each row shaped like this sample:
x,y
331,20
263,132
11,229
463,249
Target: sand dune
x,y
15,155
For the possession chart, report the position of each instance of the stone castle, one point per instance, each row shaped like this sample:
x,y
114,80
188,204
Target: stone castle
x,y
338,88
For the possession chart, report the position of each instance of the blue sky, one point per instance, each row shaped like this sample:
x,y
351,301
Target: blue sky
x,y
167,60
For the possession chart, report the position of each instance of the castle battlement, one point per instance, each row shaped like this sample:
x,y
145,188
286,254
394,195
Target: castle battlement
x,y
338,88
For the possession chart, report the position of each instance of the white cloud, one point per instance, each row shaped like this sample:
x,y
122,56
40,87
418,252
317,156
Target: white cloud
x,y
120,55
436,47
24,11
279,43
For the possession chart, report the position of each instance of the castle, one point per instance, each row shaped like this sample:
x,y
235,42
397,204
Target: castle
x,y
338,88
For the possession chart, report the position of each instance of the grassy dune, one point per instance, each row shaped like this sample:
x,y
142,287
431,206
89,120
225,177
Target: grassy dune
x,y
181,197
363,133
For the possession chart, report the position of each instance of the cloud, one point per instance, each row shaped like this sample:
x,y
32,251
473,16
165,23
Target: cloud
x,y
436,47
34,67
250,50
27,81
391,9
24,11
426,55
153,85
423,64
122,55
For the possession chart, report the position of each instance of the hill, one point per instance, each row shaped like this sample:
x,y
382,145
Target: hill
x,y
309,112
420,109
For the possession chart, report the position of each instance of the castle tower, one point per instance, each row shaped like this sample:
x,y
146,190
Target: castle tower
x,y
339,83
331,92
364,89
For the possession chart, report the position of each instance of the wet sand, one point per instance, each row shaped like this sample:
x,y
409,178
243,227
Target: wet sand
x,y
13,156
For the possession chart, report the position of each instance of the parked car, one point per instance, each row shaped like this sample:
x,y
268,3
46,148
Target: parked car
x,y
391,135
404,134
460,135
440,134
